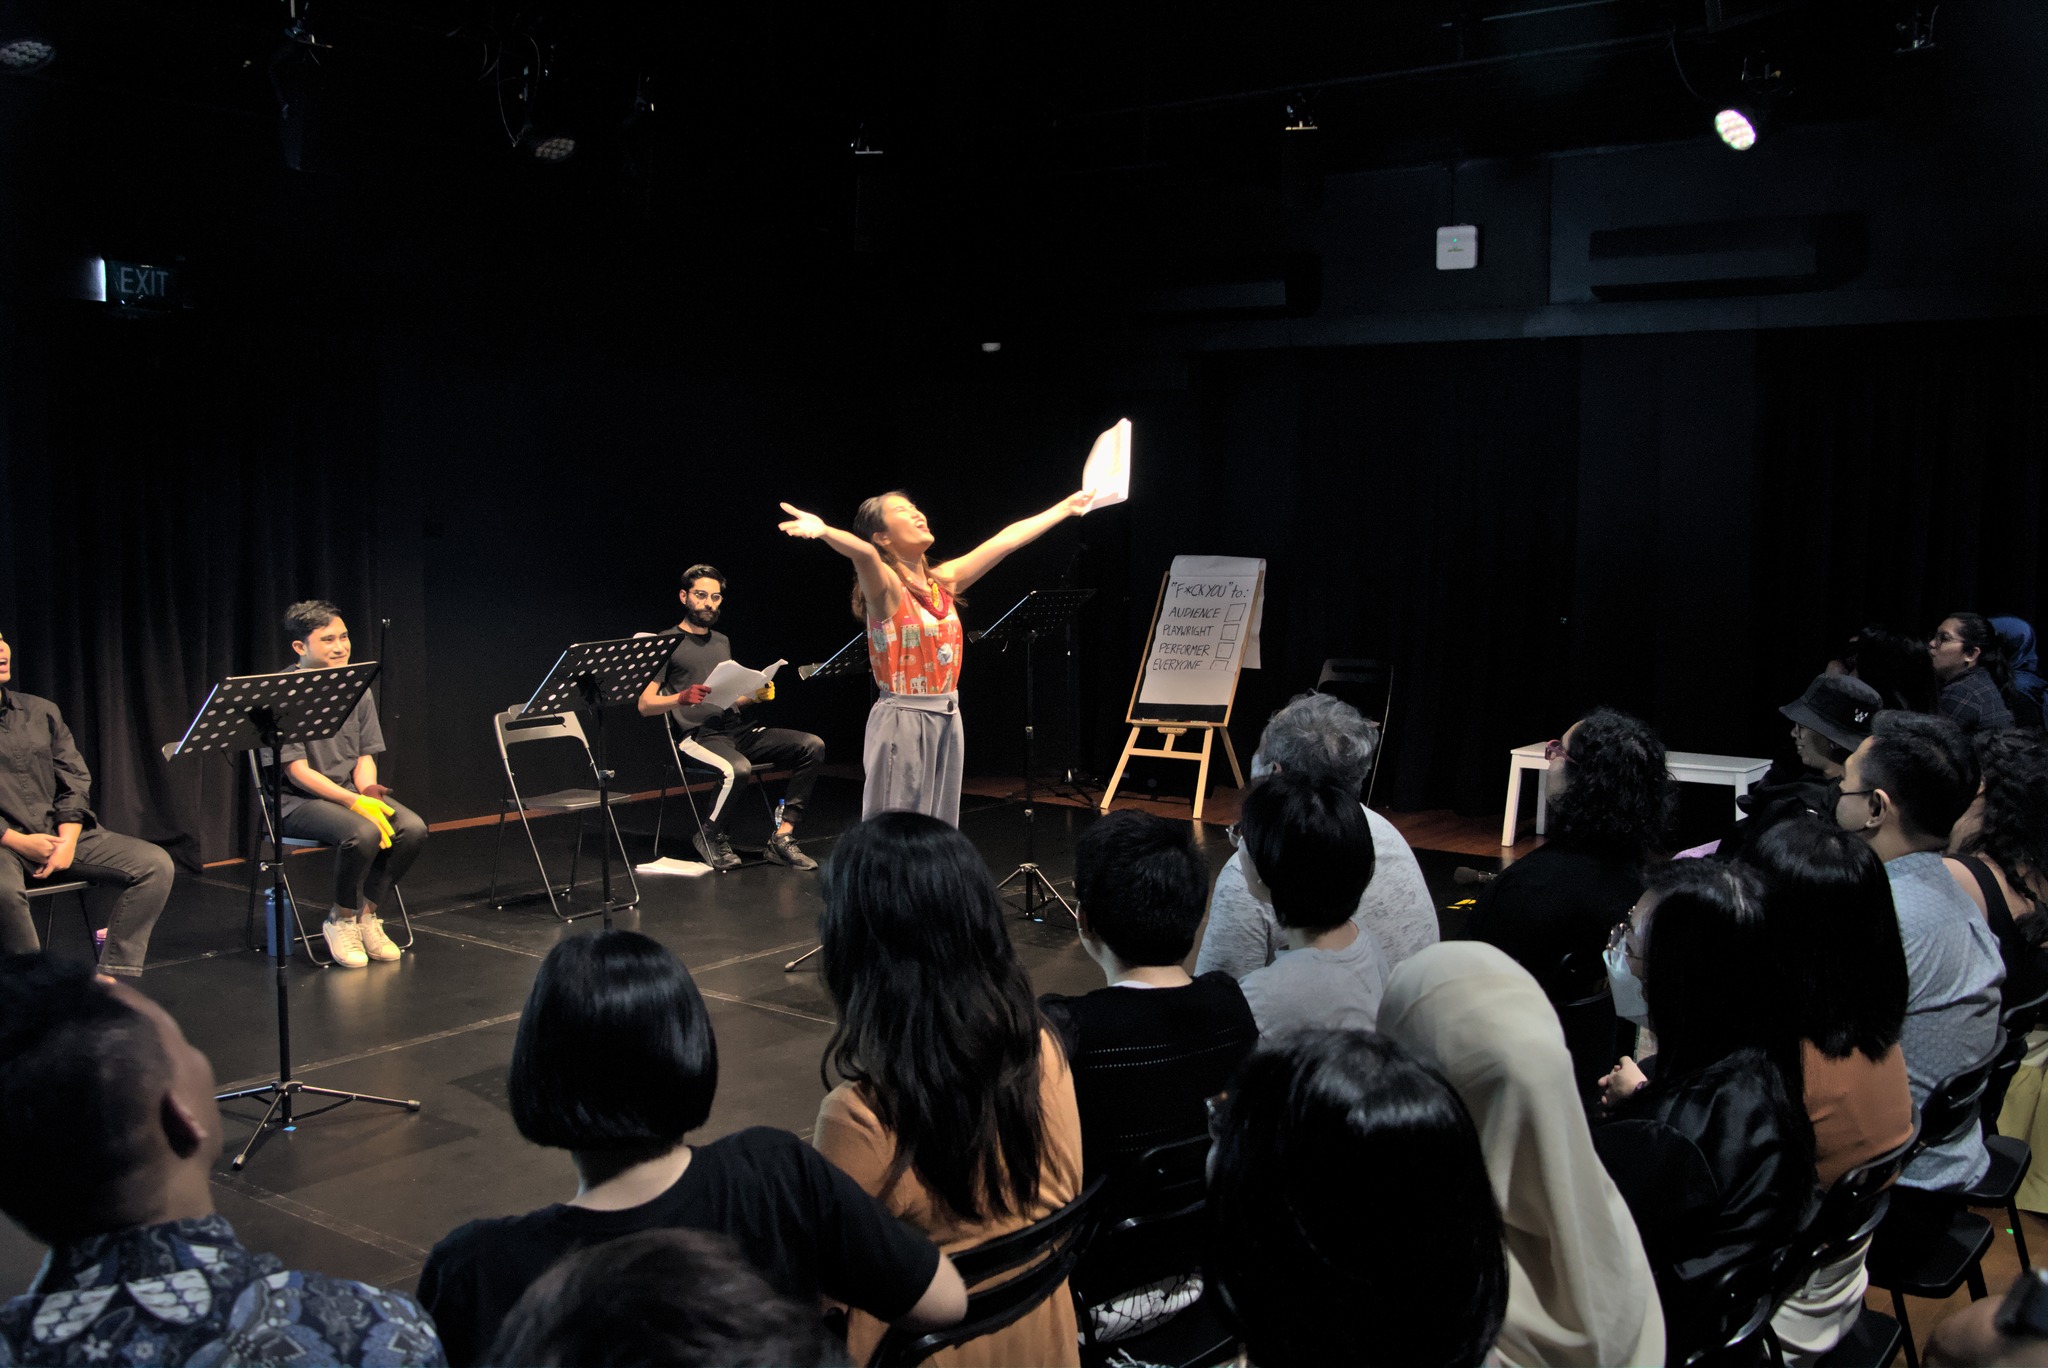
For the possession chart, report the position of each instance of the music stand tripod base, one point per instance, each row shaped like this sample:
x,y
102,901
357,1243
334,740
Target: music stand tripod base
x,y
262,712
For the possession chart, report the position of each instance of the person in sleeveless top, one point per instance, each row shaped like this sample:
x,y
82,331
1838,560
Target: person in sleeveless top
x,y
913,752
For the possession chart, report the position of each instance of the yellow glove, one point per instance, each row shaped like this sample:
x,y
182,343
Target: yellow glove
x,y
380,815
766,693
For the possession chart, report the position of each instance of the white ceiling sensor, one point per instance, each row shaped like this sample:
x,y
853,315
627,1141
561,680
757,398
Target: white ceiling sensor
x,y
1457,247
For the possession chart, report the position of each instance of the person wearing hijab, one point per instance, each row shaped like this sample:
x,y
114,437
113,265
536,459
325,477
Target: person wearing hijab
x,y
2017,636
1580,1290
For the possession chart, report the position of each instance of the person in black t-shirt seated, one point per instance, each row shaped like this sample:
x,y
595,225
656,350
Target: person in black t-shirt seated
x,y
1149,1049
331,795
722,739
682,1297
1612,806
616,1063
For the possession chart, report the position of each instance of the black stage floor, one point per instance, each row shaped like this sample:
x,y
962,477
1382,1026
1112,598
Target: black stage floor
x,y
365,1191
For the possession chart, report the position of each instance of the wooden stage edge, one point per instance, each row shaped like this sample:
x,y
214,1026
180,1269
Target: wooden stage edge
x,y
1433,830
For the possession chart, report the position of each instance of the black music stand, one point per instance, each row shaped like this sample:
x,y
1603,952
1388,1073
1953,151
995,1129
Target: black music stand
x,y
852,658
261,712
1038,611
600,675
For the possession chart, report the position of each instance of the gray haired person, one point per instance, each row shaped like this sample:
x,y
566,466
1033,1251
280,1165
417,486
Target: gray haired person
x,y
1324,737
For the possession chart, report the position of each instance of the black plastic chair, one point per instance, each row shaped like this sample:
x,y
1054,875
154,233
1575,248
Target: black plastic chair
x,y
1151,1230
1846,1219
1746,1295
1045,1251
1924,1256
515,727
56,888
1367,685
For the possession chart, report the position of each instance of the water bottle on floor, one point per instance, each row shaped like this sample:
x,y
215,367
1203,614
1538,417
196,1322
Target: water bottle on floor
x,y
270,924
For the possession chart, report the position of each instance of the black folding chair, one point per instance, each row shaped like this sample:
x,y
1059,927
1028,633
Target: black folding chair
x,y
1367,685
259,878
1745,1294
1843,1222
1925,1255
1151,1231
1045,1251
690,772
53,888
514,727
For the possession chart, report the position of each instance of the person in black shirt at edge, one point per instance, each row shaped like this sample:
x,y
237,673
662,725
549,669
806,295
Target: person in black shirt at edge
x,y
48,831
333,796
723,739
615,1062
1612,806
1150,1048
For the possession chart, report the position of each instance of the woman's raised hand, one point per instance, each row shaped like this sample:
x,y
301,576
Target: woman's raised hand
x,y
802,524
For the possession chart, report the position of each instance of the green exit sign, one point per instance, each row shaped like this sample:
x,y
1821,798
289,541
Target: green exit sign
x,y
137,284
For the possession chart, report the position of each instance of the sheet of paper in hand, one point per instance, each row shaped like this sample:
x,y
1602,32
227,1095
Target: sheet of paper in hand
x,y
729,680
1107,475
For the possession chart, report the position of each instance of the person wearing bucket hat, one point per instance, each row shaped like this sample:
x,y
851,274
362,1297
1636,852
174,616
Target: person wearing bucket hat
x,y
1829,721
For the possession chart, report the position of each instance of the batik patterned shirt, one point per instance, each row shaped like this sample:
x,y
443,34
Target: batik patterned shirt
x,y
188,1292
918,650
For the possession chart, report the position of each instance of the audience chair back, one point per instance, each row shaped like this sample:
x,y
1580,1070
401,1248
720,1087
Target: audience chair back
x,y
1846,1217
1955,1107
1045,1251
1746,1296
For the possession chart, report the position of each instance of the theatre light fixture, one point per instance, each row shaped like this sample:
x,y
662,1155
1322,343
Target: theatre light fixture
x,y
20,56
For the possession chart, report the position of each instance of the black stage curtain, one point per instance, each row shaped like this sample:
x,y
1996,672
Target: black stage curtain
x,y
1414,504
172,483
1900,479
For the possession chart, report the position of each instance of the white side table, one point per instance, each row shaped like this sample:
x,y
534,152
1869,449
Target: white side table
x,y
1739,772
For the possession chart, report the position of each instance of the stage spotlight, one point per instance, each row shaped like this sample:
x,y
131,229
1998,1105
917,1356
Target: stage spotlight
x,y
20,56
1737,127
556,147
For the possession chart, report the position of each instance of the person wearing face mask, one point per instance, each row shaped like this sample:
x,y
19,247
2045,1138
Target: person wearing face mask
x,y
1902,791
1828,721
1709,1145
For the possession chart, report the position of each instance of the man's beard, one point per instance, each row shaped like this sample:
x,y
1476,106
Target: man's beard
x,y
705,617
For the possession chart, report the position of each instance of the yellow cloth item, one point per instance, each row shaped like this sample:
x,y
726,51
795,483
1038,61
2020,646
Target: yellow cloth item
x,y
380,815
2025,1116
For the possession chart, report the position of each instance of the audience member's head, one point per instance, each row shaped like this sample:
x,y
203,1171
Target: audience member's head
x,y
1585,1293
1609,788
2007,823
1321,736
1906,787
682,1297
1142,887
2016,636
1894,664
1309,849
1353,1221
107,1116
1965,642
936,1018
1830,720
1828,912
1709,978
615,1060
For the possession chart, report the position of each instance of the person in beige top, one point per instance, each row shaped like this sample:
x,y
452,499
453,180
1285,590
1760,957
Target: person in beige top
x,y
956,1107
1579,1284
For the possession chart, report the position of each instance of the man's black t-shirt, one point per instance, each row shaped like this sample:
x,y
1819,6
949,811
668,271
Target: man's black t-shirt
x,y
1146,1059
802,1222
692,662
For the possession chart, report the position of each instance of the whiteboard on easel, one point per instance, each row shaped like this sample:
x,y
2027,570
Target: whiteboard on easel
x,y
1207,630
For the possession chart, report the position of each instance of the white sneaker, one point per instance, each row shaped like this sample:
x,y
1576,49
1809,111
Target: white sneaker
x,y
345,943
375,943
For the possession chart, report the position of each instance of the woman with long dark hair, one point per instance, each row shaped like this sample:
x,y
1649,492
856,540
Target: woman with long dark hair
x,y
1352,1217
956,1107
616,1063
1998,852
1828,912
1612,806
1714,1154
914,746
1970,666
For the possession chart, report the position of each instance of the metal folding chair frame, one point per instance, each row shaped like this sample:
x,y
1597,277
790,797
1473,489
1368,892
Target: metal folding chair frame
x,y
512,728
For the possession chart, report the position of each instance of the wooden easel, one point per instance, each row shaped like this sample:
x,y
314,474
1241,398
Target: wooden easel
x,y
1173,729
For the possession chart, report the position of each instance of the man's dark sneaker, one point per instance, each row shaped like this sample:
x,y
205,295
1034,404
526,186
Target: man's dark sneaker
x,y
716,852
783,849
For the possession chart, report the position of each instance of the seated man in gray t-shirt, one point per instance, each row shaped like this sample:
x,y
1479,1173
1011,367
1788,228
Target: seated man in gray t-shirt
x,y
1309,851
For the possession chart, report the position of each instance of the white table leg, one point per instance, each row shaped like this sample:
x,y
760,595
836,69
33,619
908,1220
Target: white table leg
x,y
1543,799
1514,803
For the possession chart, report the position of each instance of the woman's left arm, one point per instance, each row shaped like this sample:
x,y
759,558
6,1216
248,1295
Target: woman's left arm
x,y
962,571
